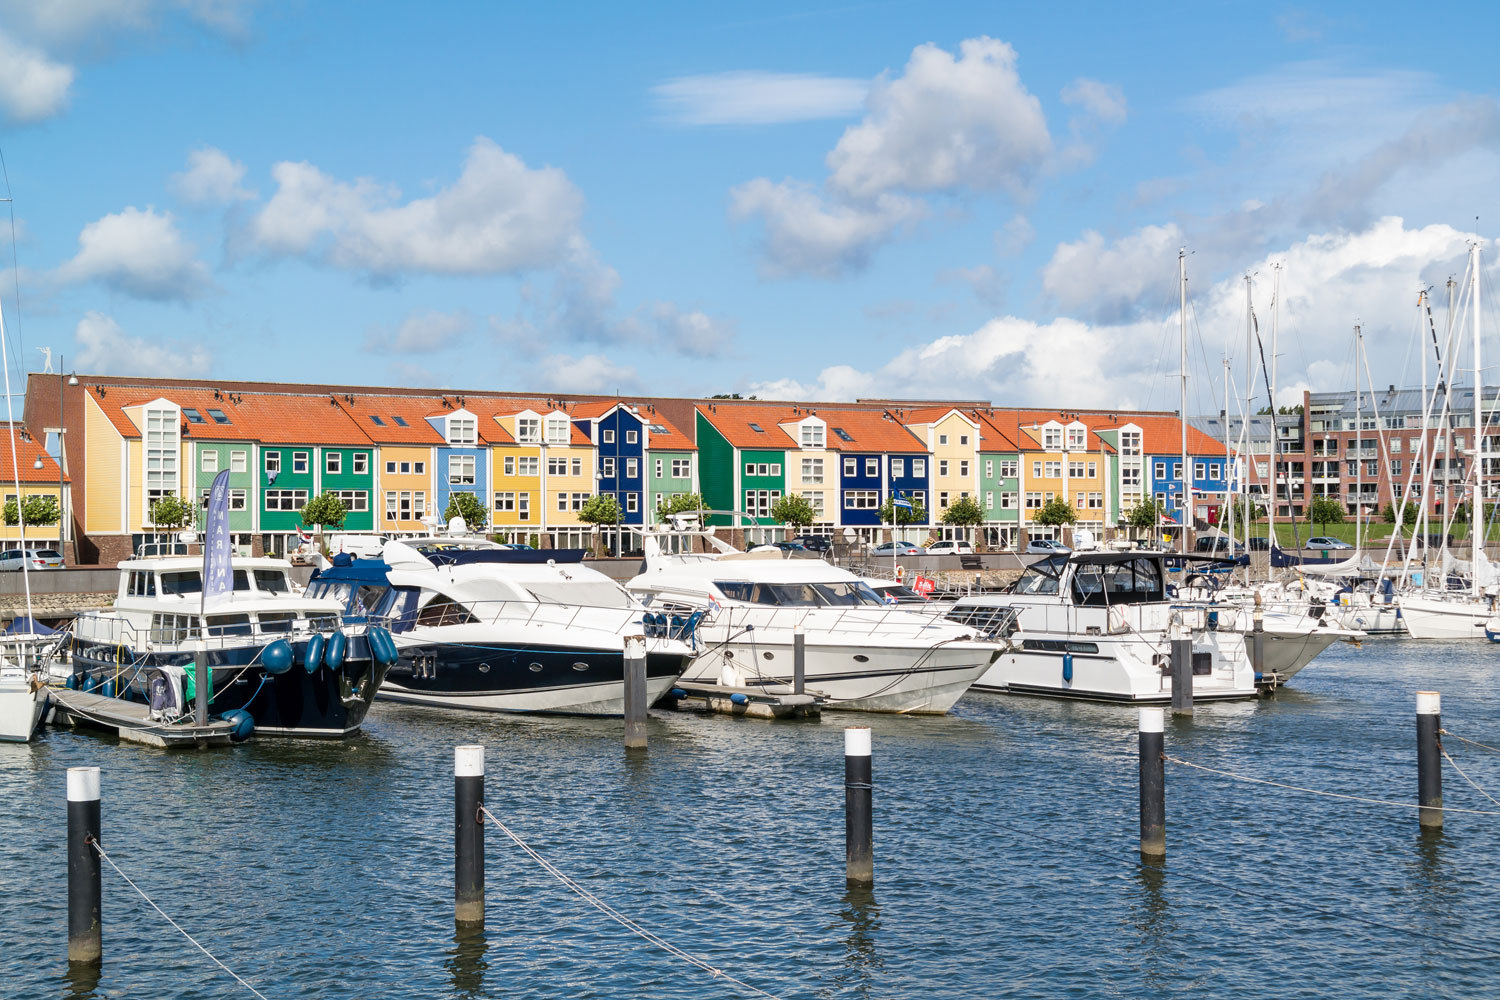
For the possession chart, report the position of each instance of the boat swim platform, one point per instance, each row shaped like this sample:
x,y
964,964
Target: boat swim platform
x,y
132,721
772,701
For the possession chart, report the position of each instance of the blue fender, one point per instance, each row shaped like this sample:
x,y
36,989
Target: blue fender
x,y
312,655
382,646
277,657
1068,668
739,699
242,724
333,652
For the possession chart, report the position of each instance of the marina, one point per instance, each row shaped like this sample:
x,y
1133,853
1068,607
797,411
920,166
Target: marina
x,y
989,823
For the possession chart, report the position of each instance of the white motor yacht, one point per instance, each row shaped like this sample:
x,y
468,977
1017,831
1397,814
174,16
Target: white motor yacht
x,y
23,687
1098,626
861,652
478,626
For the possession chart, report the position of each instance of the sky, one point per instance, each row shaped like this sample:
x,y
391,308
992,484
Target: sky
x,y
819,201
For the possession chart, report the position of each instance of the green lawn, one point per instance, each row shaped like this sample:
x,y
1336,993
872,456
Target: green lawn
x,y
1376,531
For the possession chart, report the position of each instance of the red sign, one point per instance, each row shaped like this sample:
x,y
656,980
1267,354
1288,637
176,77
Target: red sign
x,y
923,586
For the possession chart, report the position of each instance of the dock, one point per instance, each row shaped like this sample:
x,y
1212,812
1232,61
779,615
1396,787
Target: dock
x,y
773,701
132,721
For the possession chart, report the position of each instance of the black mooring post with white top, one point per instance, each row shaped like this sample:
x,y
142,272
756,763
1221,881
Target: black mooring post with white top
x,y
468,836
859,839
85,931
799,661
635,691
1429,759
1182,676
1153,784
202,694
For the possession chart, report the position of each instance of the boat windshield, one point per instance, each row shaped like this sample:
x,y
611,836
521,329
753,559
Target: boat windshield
x,y
581,594
843,594
1043,576
1128,581
191,583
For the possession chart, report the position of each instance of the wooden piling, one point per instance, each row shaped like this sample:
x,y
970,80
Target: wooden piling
x,y
1153,784
1429,759
468,836
85,930
799,661
859,847
1182,676
635,692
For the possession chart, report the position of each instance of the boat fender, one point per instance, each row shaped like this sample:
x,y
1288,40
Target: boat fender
x,y
312,654
276,658
241,724
107,688
72,683
678,693
333,652
739,699
1067,668
382,646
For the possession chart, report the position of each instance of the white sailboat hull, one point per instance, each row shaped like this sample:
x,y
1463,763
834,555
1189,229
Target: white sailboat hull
x,y
593,699
1435,618
1125,669
21,709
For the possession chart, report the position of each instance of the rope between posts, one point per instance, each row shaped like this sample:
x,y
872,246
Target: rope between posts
x,y
1466,777
1331,795
1482,746
616,915
95,845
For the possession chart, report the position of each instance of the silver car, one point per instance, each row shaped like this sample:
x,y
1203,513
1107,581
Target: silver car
x,y
11,560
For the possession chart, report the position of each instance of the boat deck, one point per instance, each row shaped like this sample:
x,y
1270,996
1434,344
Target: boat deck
x,y
132,721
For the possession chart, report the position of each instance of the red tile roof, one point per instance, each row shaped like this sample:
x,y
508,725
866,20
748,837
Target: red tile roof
x,y
1162,434
22,450
1023,427
734,423
411,409
872,430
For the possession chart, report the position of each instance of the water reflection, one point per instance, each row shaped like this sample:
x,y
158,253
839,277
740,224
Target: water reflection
x,y
862,962
466,962
82,980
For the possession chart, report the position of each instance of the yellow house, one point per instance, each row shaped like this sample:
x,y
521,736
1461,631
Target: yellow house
x,y
405,459
952,439
26,470
813,469
1060,457
544,472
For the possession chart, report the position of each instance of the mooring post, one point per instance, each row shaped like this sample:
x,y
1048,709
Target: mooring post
x,y
635,691
1182,673
1258,639
201,681
859,846
85,933
1153,784
468,835
799,661
1429,759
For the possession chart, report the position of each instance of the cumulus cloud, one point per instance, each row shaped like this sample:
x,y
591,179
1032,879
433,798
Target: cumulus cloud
x,y
1107,281
138,253
1329,282
589,373
32,86
692,332
1102,101
500,216
73,22
99,345
423,331
211,178
805,233
758,98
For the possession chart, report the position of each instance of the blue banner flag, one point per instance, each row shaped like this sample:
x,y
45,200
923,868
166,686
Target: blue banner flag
x,y
218,573
901,502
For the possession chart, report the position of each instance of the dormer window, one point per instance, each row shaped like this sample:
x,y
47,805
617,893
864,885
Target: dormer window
x,y
812,435
529,430
462,430
1052,437
557,430
1076,436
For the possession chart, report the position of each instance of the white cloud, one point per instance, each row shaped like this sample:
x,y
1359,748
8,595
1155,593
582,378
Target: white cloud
x,y
691,332
138,253
500,216
987,284
100,346
32,86
423,331
211,178
1015,236
1329,282
589,373
758,98
1102,101
1106,282
69,22
805,233
945,123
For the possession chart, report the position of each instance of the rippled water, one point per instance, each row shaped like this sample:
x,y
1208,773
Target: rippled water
x,y
1005,850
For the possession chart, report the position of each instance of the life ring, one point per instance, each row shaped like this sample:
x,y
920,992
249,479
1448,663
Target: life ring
x,y
900,573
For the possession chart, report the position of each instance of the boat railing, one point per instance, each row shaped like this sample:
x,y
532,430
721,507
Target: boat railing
x,y
606,618
131,640
866,621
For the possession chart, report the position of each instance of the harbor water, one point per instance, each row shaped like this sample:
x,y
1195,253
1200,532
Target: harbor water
x,y
1005,854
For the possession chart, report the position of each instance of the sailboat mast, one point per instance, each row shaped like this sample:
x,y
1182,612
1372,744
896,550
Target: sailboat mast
x,y
1476,518
1228,462
1184,507
1275,431
1359,441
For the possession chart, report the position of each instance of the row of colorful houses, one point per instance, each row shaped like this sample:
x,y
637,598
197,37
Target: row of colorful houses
x,y
396,457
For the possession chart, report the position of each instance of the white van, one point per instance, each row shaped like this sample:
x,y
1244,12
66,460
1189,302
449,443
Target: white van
x,y
358,546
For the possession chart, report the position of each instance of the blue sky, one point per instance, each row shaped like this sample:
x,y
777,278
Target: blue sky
x,y
911,199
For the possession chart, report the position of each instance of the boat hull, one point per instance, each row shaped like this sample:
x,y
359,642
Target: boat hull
x,y
1427,618
21,709
531,679
1120,669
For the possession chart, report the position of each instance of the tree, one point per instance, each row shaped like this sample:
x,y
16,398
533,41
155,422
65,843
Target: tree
x,y
600,509
1143,515
686,503
1056,512
891,514
170,512
794,510
1325,510
39,509
467,506
1408,514
325,510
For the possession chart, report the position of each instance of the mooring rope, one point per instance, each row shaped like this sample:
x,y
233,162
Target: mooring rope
x,y
1332,795
616,915
1466,777
1482,746
95,845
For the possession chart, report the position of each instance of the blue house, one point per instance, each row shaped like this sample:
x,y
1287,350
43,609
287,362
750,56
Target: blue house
x,y
877,456
619,437
462,459
909,476
861,488
1208,475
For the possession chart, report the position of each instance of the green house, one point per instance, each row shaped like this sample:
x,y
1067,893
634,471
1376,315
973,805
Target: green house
x,y
668,474
212,457
350,472
288,478
742,461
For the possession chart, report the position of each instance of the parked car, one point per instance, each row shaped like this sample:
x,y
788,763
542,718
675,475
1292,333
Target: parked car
x,y
896,548
1218,545
790,548
950,549
815,543
1260,544
1323,542
1047,547
10,561
515,545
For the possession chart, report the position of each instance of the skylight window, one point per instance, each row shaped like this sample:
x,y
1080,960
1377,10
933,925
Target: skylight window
x,y
375,419
194,417
658,429
843,435
757,428
400,421
219,417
